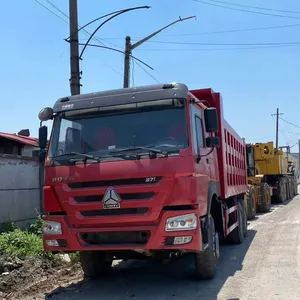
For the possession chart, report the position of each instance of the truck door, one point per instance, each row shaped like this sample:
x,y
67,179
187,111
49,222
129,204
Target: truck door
x,y
198,137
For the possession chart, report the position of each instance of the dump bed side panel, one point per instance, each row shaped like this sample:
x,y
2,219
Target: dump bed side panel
x,y
232,151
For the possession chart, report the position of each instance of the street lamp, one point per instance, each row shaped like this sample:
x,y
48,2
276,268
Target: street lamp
x,y
129,47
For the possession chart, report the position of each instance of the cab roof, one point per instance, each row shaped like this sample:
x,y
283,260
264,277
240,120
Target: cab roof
x,y
122,96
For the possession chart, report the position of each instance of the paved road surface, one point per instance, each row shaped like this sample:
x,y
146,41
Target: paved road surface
x,y
266,266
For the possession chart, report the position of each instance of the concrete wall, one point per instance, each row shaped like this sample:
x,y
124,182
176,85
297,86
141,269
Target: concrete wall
x,y
27,150
19,189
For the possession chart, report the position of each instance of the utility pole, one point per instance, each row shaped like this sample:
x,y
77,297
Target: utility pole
x,y
127,62
129,47
277,126
74,49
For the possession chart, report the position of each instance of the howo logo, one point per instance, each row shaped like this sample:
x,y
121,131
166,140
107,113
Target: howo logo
x,y
65,178
111,199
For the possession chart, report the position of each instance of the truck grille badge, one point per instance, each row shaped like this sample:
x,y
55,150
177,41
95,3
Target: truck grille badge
x,y
111,199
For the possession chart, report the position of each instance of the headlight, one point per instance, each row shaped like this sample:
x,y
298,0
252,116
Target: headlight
x,y
185,222
51,227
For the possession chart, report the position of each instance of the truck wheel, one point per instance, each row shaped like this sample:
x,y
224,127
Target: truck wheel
x,y
265,198
288,189
95,263
238,234
295,187
251,203
281,198
206,261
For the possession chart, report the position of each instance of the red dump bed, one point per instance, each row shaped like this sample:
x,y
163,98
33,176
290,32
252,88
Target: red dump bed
x,y
232,152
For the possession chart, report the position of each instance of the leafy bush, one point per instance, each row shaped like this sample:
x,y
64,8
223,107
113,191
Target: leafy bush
x,y
36,226
74,257
21,244
18,243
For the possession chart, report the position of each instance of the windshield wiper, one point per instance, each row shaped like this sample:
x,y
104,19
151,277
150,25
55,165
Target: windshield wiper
x,y
152,151
82,156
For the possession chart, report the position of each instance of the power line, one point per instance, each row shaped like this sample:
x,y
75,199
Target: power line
x,y
84,31
215,49
235,30
215,32
256,7
225,44
63,13
132,72
289,122
281,131
52,12
147,72
117,50
245,10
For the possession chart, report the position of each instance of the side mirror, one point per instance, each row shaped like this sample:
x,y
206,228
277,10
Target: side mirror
x,y
42,156
212,142
46,114
211,120
43,135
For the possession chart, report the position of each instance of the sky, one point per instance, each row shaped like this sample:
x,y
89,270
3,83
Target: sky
x,y
254,79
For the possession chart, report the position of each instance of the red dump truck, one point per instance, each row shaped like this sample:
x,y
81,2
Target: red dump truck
x,y
152,171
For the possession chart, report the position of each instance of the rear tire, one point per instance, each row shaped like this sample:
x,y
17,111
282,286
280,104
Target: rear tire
x,y
95,264
238,234
282,195
265,201
251,202
206,261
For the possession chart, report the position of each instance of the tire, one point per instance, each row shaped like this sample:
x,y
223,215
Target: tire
x,y
206,261
282,197
251,202
265,198
292,188
295,187
95,264
238,234
245,223
288,189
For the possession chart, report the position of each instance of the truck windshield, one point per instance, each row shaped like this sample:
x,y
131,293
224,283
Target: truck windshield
x,y
102,134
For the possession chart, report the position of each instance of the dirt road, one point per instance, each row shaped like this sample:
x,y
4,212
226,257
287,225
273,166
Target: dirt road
x,y
266,266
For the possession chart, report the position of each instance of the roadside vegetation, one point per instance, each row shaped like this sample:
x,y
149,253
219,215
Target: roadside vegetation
x,y
23,263
18,243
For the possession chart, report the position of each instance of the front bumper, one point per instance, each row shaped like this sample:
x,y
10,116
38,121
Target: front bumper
x,y
118,237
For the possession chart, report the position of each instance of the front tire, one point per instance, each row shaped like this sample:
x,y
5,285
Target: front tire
x,y
95,264
206,261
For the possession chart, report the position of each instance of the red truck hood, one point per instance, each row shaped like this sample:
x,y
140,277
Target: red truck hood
x,y
144,187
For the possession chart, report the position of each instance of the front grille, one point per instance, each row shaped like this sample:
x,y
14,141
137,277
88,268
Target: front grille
x,y
116,238
114,212
118,182
98,198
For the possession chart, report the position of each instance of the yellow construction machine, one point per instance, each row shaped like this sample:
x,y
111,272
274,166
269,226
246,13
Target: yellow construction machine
x,y
270,177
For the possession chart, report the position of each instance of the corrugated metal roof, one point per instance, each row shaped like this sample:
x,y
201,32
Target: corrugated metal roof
x,y
20,139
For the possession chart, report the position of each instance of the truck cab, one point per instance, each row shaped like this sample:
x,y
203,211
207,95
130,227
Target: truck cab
x,y
133,173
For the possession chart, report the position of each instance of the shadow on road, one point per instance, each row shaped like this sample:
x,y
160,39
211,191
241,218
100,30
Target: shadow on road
x,y
283,204
148,280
